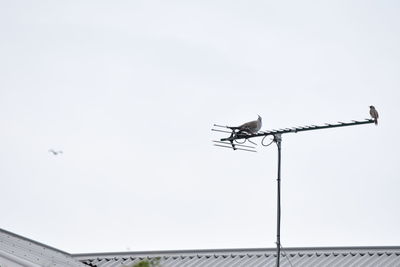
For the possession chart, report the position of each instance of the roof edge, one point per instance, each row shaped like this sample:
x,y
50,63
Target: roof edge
x,y
34,242
227,251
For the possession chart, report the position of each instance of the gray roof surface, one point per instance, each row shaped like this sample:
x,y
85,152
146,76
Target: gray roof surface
x,y
22,251
310,257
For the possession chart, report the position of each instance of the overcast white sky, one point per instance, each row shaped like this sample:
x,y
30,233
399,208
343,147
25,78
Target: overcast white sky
x,y
129,91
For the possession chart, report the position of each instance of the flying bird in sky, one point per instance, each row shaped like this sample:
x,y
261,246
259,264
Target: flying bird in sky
x,y
374,114
251,127
54,152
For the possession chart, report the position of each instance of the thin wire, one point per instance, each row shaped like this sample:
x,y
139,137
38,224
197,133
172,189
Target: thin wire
x,y
237,148
286,255
222,131
251,142
262,141
240,142
229,144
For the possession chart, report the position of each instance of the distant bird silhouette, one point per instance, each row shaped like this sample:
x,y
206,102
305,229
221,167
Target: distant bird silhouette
x,y
374,114
54,152
251,127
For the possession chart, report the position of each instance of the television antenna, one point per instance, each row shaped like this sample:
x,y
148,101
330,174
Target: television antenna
x,y
241,140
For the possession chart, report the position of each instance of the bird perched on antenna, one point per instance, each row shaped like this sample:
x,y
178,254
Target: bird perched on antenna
x,y
54,152
374,114
251,127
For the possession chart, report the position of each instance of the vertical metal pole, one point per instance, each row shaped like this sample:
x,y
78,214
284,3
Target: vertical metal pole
x,y
278,141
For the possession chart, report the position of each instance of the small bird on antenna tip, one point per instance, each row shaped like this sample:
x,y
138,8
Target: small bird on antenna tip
x,y
55,152
374,114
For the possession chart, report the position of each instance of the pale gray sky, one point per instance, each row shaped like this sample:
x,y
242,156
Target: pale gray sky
x,y
129,91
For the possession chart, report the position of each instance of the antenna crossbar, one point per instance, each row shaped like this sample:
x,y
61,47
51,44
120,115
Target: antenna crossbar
x,y
297,129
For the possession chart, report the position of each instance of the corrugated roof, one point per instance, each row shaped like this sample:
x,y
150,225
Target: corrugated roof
x,y
296,257
21,251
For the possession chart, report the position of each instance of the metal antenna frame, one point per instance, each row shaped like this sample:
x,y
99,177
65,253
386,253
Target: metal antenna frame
x,y
278,141
277,135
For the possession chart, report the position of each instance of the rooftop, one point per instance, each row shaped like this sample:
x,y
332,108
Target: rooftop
x,y
257,257
16,250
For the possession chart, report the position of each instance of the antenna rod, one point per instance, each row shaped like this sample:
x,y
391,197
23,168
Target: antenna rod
x,y
278,141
